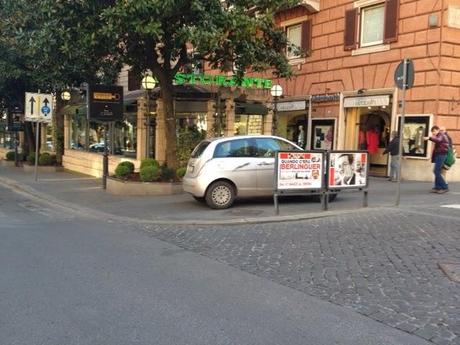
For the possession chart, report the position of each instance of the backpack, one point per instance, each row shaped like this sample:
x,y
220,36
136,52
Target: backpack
x,y
450,157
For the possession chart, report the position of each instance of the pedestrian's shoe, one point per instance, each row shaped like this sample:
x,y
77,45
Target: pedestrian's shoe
x,y
434,190
442,191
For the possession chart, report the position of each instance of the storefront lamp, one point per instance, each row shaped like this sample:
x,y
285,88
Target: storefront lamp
x,y
65,95
276,91
148,83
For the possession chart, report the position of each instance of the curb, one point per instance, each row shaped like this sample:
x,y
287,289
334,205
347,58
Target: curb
x,y
65,206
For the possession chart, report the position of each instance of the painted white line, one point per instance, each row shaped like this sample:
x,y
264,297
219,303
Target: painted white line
x,y
452,206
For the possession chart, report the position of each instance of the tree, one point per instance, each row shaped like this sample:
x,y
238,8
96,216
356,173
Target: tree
x,y
165,36
51,45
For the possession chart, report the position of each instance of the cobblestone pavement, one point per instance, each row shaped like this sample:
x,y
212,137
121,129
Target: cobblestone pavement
x,y
384,265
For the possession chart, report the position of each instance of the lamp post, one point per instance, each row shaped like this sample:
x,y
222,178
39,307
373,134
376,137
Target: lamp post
x,y
276,91
148,83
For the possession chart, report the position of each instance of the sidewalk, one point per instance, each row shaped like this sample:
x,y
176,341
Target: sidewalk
x,y
84,194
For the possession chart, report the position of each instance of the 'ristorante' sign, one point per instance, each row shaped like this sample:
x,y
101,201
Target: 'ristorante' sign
x,y
221,80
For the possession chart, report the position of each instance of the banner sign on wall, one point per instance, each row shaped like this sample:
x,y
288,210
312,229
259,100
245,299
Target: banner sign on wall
x,y
299,170
348,169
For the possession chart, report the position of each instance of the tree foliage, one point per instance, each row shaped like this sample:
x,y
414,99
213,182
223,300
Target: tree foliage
x,y
49,44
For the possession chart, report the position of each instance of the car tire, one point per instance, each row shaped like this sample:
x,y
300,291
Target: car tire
x,y
199,198
220,195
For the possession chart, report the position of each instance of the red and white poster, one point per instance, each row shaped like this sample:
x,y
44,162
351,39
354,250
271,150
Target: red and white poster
x,y
299,170
348,169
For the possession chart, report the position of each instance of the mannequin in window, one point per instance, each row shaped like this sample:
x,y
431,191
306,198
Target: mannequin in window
x,y
301,137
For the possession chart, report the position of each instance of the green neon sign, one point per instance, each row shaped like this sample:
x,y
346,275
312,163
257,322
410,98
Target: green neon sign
x,y
221,80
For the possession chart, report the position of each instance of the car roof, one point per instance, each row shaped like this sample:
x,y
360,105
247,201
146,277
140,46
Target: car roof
x,y
222,139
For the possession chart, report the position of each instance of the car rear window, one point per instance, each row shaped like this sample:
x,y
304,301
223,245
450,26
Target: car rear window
x,y
198,151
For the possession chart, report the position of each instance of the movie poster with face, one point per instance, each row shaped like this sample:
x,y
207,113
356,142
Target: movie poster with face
x,y
348,169
299,170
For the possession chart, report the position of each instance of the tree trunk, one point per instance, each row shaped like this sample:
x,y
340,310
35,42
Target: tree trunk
x,y
59,131
167,94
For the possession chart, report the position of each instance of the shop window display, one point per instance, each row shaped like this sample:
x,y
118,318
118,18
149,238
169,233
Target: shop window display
x,y
248,124
374,131
91,138
415,128
322,135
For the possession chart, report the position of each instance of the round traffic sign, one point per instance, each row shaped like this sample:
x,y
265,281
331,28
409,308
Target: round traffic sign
x,y
46,110
399,74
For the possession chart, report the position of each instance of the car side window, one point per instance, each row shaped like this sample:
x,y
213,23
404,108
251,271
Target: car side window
x,y
266,147
285,146
235,148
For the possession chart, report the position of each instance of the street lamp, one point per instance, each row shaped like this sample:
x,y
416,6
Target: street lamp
x,y
276,91
65,95
148,83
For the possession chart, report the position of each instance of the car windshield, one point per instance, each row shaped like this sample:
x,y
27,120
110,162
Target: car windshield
x,y
198,151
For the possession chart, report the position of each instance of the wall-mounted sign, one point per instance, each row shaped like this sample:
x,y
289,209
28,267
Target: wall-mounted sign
x,y
453,16
105,103
366,101
299,171
291,106
348,169
38,107
326,97
221,80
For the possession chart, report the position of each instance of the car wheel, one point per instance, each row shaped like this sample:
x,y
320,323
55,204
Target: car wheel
x,y
199,198
220,195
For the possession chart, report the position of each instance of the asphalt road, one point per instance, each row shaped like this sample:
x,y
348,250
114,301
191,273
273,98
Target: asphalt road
x,y
69,280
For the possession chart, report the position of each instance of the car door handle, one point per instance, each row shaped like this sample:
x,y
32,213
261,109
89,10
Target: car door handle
x,y
265,163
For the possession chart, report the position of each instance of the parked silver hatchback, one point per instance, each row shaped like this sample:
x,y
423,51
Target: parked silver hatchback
x,y
222,169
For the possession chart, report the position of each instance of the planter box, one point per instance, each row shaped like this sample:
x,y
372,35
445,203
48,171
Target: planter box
x,y
50,169
10,164
119,187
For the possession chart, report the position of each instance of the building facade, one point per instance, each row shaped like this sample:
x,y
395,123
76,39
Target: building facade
x,y
345,77
342,95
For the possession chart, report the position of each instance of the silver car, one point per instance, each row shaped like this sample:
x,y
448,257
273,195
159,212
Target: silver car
x,y
221,169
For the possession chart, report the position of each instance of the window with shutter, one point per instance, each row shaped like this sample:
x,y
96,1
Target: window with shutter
x,y
294,35
351,23
306,37
371,25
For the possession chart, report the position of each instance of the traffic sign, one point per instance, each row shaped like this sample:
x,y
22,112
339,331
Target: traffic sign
x,y
399,74
38,107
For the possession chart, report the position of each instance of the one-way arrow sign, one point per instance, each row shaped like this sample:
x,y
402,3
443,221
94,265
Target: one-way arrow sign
x,y
39,107
32,101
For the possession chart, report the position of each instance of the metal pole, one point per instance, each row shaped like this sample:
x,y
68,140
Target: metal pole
x,y
400,131
308,130
147,125
36,150
105,160
16,143
275,114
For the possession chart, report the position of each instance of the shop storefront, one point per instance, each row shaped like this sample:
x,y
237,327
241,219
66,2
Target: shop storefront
x,y
368,121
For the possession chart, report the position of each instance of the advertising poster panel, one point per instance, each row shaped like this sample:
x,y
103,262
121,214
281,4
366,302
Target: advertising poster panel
x,y
348,169
299,170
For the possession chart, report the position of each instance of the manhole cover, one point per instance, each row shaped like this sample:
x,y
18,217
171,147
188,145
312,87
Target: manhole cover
x,y
452,270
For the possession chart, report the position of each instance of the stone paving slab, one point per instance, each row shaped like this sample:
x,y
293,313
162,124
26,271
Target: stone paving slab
x,y
383,265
